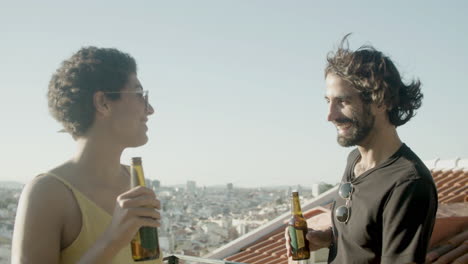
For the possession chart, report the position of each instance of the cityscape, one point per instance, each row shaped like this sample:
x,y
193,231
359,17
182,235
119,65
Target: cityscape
x,y
195,219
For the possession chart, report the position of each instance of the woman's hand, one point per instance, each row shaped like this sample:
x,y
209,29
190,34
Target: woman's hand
x,y
135,208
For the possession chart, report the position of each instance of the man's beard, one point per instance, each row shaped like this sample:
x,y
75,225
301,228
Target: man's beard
x,y
361,124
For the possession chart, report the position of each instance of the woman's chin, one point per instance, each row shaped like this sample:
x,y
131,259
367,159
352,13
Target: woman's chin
x,y
139,142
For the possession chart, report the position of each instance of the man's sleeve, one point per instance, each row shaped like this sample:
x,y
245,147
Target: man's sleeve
x,y
408,220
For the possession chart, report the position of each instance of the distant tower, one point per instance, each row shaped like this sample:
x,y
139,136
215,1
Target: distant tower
x,y
156,184
319,188
242,229
315,189
230,188
149,183
191,186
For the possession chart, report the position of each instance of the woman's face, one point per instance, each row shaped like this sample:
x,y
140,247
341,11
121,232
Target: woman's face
x,y
129,114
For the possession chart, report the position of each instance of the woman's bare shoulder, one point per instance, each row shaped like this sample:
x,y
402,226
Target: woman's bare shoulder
x,y
48,189
41,215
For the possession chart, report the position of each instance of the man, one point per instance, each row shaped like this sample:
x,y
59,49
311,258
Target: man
x,y
385,209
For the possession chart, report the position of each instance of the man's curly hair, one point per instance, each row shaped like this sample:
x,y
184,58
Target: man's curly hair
x,y
377,79
73,85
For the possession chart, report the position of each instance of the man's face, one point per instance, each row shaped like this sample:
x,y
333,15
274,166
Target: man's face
x,y
353,119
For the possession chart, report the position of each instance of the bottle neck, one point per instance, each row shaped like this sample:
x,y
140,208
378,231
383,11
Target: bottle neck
x,y
137,176
136,161
296,205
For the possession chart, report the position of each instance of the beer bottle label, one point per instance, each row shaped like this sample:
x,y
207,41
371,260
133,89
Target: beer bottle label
x,y
148,238
300,238
293,237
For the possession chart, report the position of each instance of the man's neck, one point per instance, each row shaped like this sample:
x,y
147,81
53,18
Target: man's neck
x,y
376,148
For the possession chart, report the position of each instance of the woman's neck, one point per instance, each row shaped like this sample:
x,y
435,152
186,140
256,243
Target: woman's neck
x,y
98,159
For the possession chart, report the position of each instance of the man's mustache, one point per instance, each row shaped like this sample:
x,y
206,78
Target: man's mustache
x,y
344,120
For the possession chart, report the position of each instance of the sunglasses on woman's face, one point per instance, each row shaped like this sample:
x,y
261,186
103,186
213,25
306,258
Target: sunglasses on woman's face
x,y
142,93
343,212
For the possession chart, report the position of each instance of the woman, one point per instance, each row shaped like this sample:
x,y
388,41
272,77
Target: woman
x,y
83,211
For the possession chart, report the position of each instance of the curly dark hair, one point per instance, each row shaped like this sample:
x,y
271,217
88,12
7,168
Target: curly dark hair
x,y
377,79
73,85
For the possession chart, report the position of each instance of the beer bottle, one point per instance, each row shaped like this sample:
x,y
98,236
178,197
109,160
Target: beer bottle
x,y
297,228
145,244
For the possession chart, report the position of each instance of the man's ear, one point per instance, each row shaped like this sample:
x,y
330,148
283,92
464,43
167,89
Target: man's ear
x,y
382,108
379,109
101,104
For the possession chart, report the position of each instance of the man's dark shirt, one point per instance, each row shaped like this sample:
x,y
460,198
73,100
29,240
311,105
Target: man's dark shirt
x,y
393,210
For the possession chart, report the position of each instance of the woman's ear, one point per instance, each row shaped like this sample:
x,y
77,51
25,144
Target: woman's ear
x,y
101,104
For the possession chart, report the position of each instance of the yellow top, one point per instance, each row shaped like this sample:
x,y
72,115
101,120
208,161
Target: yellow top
x,y
94,222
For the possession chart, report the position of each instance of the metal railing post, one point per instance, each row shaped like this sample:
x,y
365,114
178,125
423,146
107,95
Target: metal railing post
x,y
172,260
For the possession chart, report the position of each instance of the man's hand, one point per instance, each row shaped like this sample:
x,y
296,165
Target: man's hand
x,y
317,239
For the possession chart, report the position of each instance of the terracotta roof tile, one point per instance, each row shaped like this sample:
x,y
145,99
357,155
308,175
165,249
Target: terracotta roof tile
x,y
277,260
454,198
461,260
267,248
460,190
447,190
453,254
452,248
276,237
258,258
277,250
436,174
458,239
453,179
452,184
239,257
453,191
272,246
435,253
444,177
251,258
451,220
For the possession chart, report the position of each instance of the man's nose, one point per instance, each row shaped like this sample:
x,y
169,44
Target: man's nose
x,y
332,112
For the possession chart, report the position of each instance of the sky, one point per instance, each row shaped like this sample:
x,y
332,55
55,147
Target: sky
x,y
238,86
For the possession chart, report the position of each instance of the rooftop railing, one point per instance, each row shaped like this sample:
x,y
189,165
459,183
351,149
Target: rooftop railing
x,y
184,259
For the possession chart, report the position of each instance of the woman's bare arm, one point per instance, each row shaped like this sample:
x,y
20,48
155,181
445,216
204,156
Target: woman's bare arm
x,y
38,223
